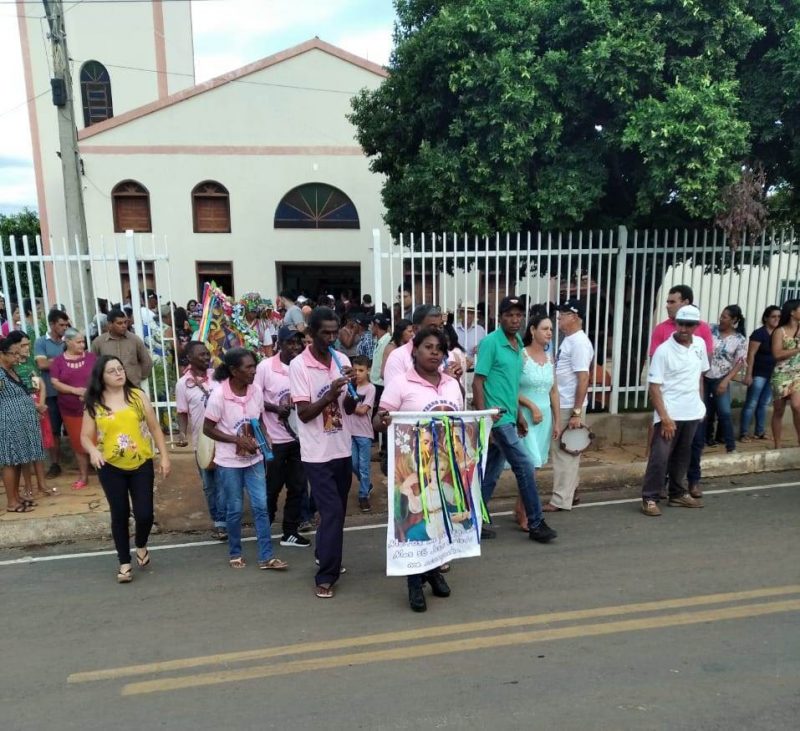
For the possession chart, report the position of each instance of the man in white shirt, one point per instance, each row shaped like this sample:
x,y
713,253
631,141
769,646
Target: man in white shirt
x,y
675,378
470,333
293,315
573,365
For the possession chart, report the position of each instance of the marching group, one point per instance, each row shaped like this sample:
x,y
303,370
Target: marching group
x,y
305,410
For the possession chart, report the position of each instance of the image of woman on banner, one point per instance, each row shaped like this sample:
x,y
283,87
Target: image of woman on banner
x,y
423,388
410,521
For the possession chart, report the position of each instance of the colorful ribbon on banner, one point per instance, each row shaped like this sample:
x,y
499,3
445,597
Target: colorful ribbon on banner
x,y
461,478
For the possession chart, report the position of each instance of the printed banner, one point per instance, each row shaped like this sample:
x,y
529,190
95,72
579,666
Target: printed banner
x,y
435,505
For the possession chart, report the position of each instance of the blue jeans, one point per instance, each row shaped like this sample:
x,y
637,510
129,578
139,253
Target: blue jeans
x,y
215,497
506,446
721,404
234,481
362,453
759,394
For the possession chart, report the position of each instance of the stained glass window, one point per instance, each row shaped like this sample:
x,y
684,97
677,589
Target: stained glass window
x,y
95,93
316,205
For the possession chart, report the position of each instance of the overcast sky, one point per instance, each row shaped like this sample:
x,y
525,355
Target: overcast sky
x,y
227,34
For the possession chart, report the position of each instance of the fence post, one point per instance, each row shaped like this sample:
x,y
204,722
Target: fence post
x,y
377,271
619,317
133,276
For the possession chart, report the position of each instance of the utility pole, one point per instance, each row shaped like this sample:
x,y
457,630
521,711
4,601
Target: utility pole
x,y
71,165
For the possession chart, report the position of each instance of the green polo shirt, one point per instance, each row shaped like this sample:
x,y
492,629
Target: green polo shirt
x,y
501,366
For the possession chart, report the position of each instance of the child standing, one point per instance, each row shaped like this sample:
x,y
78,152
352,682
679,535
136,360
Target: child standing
x,y
360,425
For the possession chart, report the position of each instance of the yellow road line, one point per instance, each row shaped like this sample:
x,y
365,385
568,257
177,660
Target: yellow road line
x,y
426,633
453,646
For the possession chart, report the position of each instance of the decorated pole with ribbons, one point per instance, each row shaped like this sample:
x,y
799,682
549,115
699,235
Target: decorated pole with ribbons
x,y
436,465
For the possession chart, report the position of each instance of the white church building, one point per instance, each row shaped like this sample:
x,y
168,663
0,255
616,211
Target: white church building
x,y
254,178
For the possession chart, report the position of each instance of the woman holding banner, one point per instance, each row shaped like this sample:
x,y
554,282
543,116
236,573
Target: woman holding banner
x,y
422,388
239,463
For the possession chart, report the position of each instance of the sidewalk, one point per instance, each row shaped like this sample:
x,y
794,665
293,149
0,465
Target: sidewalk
x,y
616,461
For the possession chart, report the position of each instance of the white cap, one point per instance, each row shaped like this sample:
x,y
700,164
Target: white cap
x,y
301,299
688,313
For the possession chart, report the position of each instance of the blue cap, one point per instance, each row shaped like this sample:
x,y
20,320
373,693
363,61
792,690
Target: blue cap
x,y
287,333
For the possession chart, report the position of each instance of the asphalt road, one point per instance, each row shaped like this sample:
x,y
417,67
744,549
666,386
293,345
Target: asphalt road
x,y
688,621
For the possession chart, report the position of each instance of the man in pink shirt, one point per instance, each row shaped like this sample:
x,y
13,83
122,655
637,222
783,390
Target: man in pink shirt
x,y
679,296
286,467
399,360
319,391
191,397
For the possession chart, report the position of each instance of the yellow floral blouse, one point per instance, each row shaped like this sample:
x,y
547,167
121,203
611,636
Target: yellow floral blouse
x,y
122,436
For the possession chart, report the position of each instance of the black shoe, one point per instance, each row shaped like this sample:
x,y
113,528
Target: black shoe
x,y
438,584
416,598
542,533
295,540
363,505
487,533
54,471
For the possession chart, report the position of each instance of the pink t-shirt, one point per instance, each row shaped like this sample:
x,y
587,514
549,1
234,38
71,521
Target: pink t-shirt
x,y
361,426
398,362
191,397
73,373
326,437
232,415
663,331
272,377
411,392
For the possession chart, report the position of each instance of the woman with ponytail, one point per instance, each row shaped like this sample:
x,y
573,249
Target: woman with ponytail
x,y
239,465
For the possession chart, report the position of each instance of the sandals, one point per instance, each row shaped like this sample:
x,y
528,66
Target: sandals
x,y
237,563
219,534
28,503
143,560
125,576
273,563
79,484
21,508
444,568
324,592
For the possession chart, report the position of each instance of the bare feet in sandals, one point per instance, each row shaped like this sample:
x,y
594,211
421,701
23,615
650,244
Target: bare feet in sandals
x,y
274,563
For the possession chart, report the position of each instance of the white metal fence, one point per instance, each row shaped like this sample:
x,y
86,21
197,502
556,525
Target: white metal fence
x,y
117,271
622,276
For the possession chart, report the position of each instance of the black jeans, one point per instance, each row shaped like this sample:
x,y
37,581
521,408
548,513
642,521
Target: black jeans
x,y
124,488
286,468
669,457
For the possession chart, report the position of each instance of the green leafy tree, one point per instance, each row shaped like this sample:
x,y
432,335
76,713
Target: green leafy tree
x,y
25,223
505,115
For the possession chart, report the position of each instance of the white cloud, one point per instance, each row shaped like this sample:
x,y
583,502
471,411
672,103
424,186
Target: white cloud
x,y
374,44
246,19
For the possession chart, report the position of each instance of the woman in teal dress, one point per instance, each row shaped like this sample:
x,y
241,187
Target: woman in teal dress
x,y
538,394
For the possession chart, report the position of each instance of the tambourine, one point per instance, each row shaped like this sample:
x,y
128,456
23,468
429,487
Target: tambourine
x,y
206,447
576,441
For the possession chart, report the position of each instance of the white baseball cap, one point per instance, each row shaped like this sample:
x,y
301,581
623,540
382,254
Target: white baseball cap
x,y
688,313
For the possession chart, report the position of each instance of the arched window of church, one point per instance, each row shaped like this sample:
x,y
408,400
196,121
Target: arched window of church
x,y
131,204
211,209
95,93
316,205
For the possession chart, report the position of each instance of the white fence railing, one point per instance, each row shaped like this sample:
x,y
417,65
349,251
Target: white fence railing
x,y
116,271
622,276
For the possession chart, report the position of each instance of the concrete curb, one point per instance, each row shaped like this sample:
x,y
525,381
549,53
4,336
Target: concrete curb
x,y
594,478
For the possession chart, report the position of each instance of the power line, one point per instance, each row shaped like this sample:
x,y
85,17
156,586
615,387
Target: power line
x,y
22,104
232,81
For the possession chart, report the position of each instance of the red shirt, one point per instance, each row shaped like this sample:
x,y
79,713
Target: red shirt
x,y
664,330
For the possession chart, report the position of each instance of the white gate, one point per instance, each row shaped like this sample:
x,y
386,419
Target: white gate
x,y
115,272
622,277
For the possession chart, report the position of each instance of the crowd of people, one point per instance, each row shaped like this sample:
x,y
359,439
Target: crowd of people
x,y
301,413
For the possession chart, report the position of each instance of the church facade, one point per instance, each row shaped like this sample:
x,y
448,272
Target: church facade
x,y
254,178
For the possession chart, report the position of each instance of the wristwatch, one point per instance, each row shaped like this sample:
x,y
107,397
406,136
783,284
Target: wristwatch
x,y
576,412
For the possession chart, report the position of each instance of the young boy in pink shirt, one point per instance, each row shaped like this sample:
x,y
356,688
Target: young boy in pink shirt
x,y
319,391
360,424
